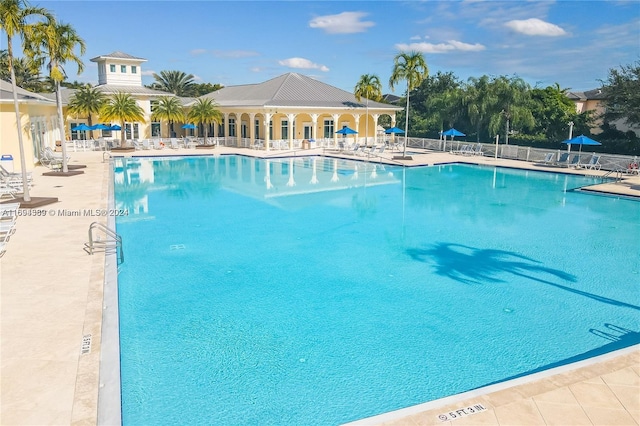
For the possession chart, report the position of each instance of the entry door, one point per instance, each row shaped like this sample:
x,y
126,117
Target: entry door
x,y
308,134
244,130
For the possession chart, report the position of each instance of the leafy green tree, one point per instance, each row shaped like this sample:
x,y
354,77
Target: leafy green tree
x,y
122,107
201,89
54,43
14,15
512,106
87,101
412,68
552,111
205,111
176,82
433,103
369,87
168,108
622,94
478,99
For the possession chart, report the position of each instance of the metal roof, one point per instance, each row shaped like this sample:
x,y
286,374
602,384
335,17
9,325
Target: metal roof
x,y
118,55
6,94
291,90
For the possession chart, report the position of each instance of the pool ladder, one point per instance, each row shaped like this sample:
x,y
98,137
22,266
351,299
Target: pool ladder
x,y
103,239
618,174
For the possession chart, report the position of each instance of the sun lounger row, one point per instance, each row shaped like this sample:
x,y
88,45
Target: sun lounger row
x,y
566,159
8,216
469,150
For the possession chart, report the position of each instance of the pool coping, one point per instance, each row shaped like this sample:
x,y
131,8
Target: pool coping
x,y
109,399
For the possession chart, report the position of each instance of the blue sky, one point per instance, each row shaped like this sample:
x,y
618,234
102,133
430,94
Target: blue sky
x,y
573,43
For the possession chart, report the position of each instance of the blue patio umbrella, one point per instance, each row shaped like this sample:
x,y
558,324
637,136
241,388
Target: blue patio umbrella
x,y
81,127
100,127
580,140
452,132
188,126
346,131
115,127
394,130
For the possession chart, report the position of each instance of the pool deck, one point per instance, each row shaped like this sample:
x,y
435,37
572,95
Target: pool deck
x,y
51,303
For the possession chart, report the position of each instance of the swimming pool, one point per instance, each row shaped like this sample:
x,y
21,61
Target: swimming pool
x,y
321,291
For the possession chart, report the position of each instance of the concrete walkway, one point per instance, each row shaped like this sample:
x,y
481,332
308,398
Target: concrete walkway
x,y
51,312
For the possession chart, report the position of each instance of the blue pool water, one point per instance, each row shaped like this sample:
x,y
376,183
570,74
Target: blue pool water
x,y
321,291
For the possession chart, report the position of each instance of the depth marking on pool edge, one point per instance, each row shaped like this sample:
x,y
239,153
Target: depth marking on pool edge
x,y
461,412
86,344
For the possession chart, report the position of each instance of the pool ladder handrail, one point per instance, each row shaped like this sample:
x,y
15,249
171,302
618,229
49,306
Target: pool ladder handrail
x,y
618,174
112,244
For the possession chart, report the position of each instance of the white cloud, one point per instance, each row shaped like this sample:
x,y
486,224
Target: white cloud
x,y
535,27
196,52
148,72
234,53
302,63
342,23
449,46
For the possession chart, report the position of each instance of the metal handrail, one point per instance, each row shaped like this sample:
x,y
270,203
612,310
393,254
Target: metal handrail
x,y
110,233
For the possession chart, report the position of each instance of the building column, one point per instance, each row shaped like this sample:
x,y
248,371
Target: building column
x,y
291,118
252,128
314,124
335,117
226,127
375,126
267,120
356,117
238,130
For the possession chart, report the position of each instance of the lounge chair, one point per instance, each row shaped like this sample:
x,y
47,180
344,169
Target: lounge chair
x,y
549,159
464,149
563,160
575,161
593,163
371,152
477,149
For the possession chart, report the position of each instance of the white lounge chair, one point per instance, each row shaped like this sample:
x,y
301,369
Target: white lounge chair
x,y
549,158
593,163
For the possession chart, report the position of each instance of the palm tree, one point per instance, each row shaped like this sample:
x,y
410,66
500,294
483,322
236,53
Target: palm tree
x,y
205,111
55,42
411,67
13,21
168,108
122,107
370,87
176,82
27,73
87,101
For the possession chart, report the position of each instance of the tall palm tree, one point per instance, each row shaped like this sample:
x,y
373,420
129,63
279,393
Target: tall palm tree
x,y
87,101
122,107
13,21
412,68
205,111
176,82
370,87
168,108
54,43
